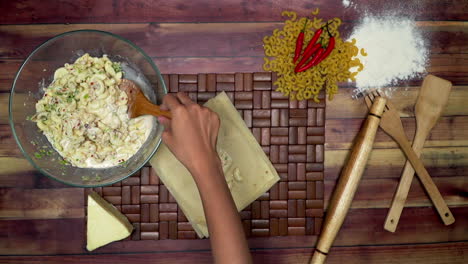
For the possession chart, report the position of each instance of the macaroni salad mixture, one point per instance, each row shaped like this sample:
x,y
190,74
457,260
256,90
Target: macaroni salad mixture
x,y
83,114
231,173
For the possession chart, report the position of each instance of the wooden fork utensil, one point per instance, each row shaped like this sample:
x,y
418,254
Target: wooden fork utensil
x,y
391,123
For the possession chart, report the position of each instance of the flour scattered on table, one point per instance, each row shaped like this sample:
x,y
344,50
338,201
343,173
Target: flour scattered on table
x,y
395,51
349,4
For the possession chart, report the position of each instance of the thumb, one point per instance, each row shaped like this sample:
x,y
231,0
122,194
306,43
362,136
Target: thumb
x,y
167,138
166,122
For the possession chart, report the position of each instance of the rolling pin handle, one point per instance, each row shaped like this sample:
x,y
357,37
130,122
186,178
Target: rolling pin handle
x,y
318,257
348,182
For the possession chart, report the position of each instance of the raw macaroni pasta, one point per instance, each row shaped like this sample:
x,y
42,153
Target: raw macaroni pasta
x,y
279,52
83,114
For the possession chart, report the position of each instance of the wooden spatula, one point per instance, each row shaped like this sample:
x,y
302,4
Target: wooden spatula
x,y
138,104
431,101
390,123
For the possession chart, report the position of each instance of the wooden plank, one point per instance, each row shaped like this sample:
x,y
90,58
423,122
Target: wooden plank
x,y
8,71
383,163
4,97
361,227
14,166
448,66
340,133
449,131
388,163
344,106
417,225
131,11
452,67
213,39
18,172
409,254
19,203
42,236
403,254
8,146
156,39
378,193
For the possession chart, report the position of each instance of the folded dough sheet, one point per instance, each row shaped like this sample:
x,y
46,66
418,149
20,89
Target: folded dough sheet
x,y
248,171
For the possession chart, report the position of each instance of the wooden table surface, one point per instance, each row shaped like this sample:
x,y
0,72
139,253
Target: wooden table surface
x,y
43,221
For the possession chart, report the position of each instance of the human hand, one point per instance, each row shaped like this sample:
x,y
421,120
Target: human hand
x,y
191,134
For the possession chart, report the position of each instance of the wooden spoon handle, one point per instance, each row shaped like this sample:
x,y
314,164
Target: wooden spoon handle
x,y
156,111
348,182
145,107
399,199
430,187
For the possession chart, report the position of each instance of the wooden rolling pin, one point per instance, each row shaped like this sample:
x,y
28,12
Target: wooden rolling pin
x,y
348,182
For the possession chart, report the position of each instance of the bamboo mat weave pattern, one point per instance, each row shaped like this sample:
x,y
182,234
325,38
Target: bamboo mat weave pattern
x,y
290,132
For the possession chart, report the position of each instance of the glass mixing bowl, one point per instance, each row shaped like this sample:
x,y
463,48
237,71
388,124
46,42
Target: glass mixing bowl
x,y
37,72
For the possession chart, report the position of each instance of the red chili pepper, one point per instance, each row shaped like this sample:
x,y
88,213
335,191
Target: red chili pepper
x,y
307,55
311,62
299,43
331,45
313,40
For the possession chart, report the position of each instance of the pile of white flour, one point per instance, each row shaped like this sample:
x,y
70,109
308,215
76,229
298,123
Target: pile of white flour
x,y
395,47
346,3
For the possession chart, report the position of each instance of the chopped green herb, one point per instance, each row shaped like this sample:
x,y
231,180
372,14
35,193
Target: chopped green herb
x,y
86,96
63,162
124,163
50,107
37,155
117,67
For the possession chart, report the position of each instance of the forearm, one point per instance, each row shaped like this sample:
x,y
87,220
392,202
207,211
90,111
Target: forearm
x,y
191,135
227,236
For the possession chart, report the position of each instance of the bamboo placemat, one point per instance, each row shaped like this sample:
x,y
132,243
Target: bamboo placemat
x,y
292,133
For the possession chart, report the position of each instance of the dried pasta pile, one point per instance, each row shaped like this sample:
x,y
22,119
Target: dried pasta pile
x,y
279,52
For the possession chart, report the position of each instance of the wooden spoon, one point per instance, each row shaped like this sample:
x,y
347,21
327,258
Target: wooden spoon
x,y
431,101
138,104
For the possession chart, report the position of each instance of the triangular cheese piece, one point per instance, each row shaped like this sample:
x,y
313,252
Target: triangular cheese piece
x,y
105,223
